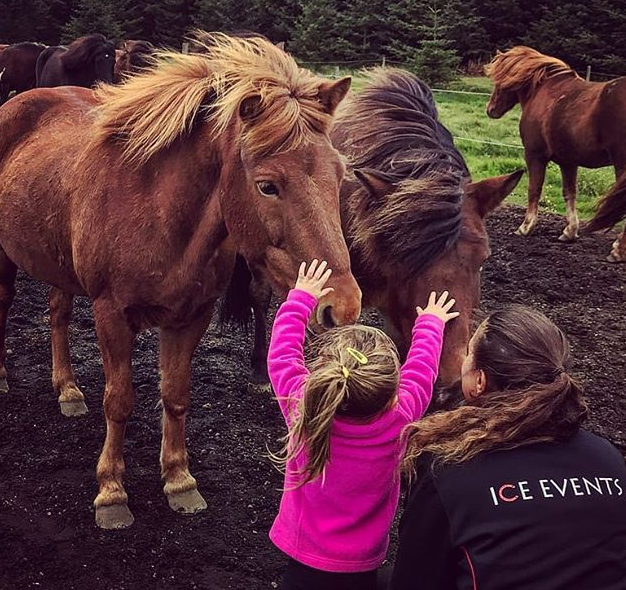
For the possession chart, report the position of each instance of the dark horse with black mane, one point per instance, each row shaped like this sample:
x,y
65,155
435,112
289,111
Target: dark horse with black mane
x,y
87,61
412,218
17,68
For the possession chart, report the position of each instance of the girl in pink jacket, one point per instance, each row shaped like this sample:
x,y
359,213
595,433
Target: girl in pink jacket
x,y
345,417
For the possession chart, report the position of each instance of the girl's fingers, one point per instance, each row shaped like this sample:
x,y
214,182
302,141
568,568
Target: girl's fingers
x,y
453,314
419,310
442,299
432,298
320,270
448,306
311,272
326,291
325,277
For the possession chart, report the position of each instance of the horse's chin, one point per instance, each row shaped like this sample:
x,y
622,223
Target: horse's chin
x,y
446,397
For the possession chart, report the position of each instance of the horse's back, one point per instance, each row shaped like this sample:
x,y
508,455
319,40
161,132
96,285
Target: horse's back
x,y
43,134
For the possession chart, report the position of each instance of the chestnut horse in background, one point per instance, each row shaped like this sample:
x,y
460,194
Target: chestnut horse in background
x,y
85,62
138,196
133,56
564,119
17,68
413,220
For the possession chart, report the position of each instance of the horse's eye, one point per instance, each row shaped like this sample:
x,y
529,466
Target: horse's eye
x,y
267,188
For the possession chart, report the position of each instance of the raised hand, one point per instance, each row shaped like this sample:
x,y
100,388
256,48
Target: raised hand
x,y
313,279
440,307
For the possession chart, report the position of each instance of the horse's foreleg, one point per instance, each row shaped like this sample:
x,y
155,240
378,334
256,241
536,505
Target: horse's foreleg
x,y
261,295
536,175
8,272
116,342
176,350
71,399
568,176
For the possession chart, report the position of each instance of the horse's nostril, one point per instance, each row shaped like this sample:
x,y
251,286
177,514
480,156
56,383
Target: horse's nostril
x,y
327,317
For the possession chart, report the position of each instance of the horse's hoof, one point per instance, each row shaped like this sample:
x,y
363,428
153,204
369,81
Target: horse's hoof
x,y
523,231
188,502
114,516
73,408
4,386
614,258
567,238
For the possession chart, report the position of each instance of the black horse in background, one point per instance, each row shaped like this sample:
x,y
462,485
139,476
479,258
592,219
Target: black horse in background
x,y
17,68
85,62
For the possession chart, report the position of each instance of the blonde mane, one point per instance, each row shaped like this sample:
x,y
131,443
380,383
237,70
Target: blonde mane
x,y
522,66
154,108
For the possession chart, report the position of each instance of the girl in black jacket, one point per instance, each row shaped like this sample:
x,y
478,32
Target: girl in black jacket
x,y
509,493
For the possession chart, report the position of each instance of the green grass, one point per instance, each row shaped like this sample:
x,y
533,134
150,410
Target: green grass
x,y
464,115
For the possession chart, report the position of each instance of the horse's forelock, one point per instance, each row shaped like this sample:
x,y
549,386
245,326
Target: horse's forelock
x,y
151,110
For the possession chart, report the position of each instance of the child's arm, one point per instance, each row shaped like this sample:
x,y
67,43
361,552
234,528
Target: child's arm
x,y
419,372
285,359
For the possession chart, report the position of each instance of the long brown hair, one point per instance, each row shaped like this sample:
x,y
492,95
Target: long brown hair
x,y
339,385
530,397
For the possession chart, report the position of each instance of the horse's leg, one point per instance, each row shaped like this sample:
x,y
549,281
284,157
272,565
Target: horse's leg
x,y
71,399
568,176
176,349
8,271
261,295
618,250
536,175
116,343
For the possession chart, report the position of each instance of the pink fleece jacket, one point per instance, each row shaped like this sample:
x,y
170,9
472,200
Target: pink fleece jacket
x,y
341,523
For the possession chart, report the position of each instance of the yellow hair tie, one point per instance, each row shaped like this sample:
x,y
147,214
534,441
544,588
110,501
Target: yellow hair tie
x,y
345,371
357,355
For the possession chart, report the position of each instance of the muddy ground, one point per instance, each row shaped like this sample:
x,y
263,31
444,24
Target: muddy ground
x,y
48,539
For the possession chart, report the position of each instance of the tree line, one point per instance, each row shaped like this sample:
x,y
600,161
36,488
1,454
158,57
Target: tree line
x,y
434,33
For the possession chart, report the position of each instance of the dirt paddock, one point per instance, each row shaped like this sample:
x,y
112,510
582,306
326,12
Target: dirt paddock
x,y
48,539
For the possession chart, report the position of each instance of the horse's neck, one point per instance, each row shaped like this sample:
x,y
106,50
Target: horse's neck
x,y
551,89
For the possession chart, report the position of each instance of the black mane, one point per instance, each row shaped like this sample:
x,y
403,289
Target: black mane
x,y
391,129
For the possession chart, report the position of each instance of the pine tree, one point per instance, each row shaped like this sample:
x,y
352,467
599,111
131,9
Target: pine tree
x,y
93,16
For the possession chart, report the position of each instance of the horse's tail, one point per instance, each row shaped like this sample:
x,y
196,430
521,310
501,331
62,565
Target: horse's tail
x,y
236,303
612,208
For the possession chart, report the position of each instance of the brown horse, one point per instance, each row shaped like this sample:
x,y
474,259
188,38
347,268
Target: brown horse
x,y
85,62
132,57
412,218
17,68
139,195
564,119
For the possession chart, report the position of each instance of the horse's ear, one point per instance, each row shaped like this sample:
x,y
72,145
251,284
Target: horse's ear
x,y
250,108
281,45
489,193
331,94
373,183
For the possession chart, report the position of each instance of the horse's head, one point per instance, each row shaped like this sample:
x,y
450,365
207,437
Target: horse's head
x,y
451,263
459,269
104,62
501,102
281,177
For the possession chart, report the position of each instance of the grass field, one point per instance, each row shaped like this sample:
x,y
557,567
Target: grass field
x,y
464,115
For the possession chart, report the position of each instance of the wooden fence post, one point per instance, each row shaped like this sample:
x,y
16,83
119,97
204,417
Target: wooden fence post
x,y
185,47
588,76
384,60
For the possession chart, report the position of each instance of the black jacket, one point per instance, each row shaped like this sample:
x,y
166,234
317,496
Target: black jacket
x,y
549,516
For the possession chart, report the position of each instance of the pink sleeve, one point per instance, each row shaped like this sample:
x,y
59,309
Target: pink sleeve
x,y
419,372
285,358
